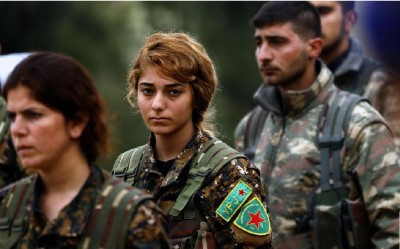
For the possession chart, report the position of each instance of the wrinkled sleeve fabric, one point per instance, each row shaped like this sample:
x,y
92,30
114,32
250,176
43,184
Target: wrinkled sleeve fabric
x,y
375,159
242,226
148,228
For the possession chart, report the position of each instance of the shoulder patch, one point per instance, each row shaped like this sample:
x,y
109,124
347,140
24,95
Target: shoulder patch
x,y
253,218
234,200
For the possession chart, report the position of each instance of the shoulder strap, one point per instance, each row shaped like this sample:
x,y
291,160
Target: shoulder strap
x,y
209,160
12,212
112,214
254,127
127,164
332,130
333,125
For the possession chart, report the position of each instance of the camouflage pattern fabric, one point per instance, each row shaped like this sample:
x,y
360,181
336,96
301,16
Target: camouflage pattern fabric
x,y
383,92
380,87
233,230
66,231
10,171
289,159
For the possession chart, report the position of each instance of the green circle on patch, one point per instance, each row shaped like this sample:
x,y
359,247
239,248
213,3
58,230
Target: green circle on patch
x,y
253,218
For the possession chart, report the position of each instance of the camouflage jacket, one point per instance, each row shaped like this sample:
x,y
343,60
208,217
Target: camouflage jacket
x,y
289,159
10,171
355,71
379,85
215,194
66,231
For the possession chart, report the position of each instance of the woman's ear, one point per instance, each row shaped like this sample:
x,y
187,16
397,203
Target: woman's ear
x,y
77,126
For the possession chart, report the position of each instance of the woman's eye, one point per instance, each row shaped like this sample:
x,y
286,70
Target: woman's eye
x,y
32,115
174,92
147,91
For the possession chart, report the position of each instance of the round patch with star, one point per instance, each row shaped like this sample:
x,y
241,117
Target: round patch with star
x,y
253,218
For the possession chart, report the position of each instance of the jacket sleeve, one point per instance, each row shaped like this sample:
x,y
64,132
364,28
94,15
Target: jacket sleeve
x,y
375,159
235,208
148,228
383,92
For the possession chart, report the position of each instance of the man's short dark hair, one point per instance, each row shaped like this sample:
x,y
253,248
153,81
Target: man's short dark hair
x,y
302,15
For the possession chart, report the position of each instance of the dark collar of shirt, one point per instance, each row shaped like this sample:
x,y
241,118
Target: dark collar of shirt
x,y
339,60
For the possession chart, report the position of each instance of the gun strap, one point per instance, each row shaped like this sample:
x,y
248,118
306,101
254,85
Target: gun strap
x,y
333,125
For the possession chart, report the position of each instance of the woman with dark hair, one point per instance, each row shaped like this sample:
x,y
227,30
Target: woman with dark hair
x,y
212,194
59,130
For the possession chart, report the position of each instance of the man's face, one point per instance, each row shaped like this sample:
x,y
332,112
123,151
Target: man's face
x,y
281,55
332,22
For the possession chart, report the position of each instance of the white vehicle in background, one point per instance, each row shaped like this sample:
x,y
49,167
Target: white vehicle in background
x,y
7,64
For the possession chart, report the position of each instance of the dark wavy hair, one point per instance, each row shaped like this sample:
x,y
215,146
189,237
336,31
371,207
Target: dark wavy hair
x,y
64,85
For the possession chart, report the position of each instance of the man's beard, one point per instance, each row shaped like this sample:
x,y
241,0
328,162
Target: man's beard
x,y
295,75
329,49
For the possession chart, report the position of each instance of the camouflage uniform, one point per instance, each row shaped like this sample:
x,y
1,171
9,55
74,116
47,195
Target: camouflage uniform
x,y
10,170
289,159
379,86
219,232
67,230
349,68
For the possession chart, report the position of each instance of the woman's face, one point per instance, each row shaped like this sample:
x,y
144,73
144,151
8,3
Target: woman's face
x,y
166,105
41,136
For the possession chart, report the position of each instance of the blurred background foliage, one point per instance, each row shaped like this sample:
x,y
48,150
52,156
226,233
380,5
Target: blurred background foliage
x,y
105,37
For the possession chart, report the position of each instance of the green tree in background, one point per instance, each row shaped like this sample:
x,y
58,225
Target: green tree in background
x,y
105,36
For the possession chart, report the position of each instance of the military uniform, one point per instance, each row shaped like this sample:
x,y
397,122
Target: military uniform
x,y
229,209
67,230
289,159
10,171
357,74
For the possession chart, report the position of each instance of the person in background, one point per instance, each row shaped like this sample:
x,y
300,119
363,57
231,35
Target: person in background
x,y
59,129
383,40
212,194
344,56
10,170
346,198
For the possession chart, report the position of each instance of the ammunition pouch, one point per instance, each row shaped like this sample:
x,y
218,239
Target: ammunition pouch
x,y
343,225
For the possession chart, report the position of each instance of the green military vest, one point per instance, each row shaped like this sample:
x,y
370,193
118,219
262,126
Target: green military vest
x,y
213,155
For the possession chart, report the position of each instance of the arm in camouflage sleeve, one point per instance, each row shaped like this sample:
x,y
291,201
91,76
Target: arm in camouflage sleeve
x,y
237,226
10,170
383,92
147,229
375,159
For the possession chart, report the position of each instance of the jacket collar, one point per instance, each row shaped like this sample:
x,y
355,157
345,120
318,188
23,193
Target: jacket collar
x,y
181,161
353,60
295,102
